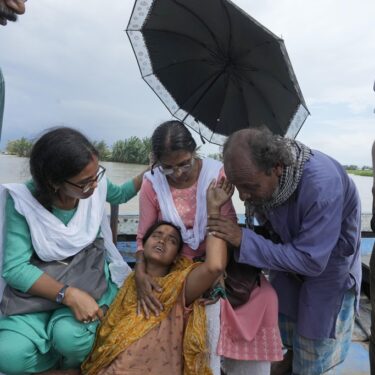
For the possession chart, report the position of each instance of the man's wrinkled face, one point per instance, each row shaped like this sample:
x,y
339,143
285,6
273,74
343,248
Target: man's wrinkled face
x,y
253,185
9,9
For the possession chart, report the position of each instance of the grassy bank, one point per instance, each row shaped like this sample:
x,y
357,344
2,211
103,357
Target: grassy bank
x,y
360,173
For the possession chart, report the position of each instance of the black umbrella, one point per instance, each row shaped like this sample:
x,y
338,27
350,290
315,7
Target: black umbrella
x,y
215,67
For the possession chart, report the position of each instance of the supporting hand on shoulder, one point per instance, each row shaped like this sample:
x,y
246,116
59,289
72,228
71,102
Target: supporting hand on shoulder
x,y
146,287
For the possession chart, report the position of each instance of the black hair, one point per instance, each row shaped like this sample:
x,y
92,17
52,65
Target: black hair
x,y
264,148
156,225
59,154
171,136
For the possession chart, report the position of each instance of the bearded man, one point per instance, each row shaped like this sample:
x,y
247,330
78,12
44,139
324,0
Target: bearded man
x,y
306,199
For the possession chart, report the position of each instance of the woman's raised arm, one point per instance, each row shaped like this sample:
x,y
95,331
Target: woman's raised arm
x,y
202,277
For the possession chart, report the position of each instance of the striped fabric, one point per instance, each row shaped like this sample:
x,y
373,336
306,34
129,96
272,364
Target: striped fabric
x,y
317,357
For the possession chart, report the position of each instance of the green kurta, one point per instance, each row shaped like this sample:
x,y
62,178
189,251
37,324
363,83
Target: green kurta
x,y
21,274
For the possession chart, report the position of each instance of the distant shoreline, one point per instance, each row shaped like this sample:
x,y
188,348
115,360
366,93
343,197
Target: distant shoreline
x,y
365,173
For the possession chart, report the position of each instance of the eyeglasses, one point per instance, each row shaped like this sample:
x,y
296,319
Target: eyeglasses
x,y
89,184
182,168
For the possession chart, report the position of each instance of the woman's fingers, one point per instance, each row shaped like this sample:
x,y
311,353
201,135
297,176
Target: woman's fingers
x,y
151,300
100,314
212,184
231,190
147,301
155,285
152,304
228,187
145,309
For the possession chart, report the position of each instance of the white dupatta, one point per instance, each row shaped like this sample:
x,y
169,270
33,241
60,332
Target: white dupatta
x,y
52,240
194,236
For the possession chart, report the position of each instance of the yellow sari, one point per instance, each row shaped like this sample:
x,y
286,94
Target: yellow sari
x,y
121,327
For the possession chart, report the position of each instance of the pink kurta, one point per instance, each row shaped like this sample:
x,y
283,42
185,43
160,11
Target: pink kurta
x,y
186,204
249,333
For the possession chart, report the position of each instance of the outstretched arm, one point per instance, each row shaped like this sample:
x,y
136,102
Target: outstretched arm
x,y
202,277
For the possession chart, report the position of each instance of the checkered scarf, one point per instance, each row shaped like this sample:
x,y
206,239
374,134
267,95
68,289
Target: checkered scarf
x,y
288,183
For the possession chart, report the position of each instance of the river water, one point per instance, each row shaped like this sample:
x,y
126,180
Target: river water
x,y
15,169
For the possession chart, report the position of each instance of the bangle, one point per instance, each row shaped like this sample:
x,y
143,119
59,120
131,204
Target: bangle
x,y
141,257
217,291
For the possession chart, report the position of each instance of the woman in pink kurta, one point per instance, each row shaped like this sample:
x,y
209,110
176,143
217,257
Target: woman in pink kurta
x,y
175,192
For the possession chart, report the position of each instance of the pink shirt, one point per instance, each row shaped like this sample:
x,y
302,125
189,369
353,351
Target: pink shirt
x,y
251,331
185,202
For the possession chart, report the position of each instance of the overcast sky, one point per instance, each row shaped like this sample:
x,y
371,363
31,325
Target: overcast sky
x,y
70,63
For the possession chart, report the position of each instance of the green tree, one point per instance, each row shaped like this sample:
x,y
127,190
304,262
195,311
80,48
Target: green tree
x,y
350,167
118,151
19,147
146,150
104,151
132,150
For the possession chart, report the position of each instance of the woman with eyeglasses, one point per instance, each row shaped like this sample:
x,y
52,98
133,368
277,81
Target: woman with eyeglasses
x,y
175,190
60,266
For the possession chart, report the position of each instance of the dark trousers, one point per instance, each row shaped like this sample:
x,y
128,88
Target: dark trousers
x,y
372,291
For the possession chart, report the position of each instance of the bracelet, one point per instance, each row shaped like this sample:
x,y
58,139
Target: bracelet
x,y
218,291
61,294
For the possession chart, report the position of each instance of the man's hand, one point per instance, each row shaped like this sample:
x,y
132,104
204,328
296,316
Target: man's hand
x,y
225,229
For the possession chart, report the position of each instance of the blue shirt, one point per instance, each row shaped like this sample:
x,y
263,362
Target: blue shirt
x,y
319,226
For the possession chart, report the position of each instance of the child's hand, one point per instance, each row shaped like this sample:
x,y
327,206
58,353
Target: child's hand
x,y
218,194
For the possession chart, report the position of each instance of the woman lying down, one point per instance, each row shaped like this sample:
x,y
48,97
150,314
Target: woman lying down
x,y
174,342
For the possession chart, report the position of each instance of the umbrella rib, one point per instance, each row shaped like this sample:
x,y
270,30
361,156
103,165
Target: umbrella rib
x,y
260,93
184,36
204,92
275,78
256,47
229,26
246,109
171,65
201,21
226,87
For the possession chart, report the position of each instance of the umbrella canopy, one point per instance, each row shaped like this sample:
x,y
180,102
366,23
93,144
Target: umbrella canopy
x,y
216,68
